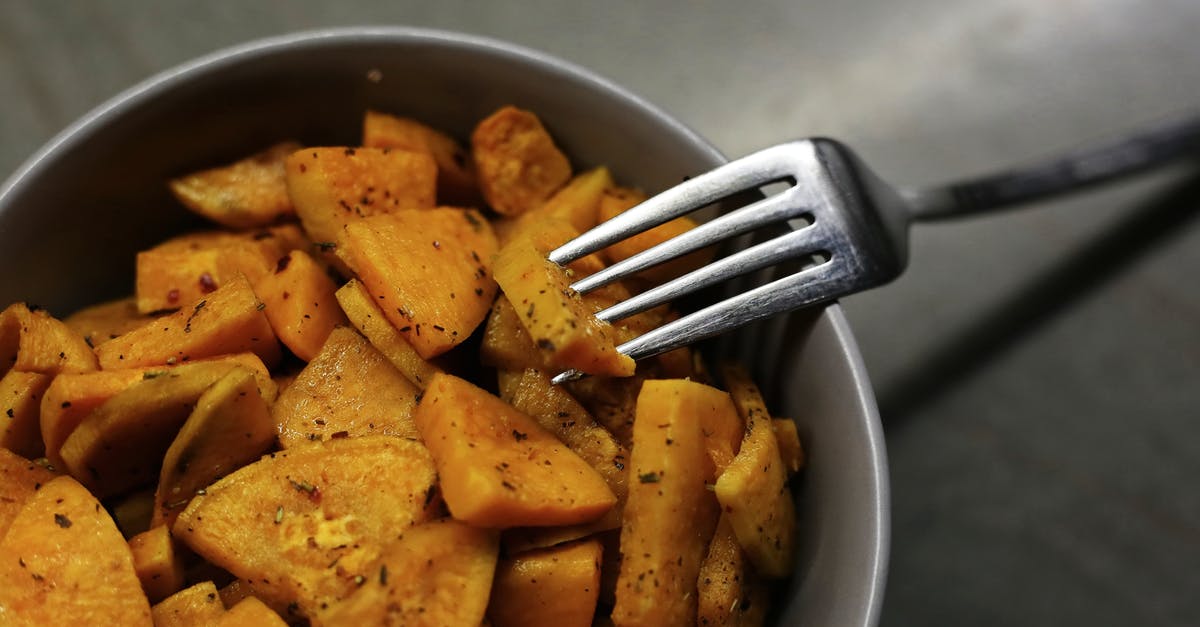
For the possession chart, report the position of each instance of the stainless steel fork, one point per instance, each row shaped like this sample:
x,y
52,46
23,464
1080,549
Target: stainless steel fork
x,y
856,225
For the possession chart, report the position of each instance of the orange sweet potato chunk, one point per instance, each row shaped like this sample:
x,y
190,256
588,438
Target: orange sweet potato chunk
x,y
498,467
753,490
429,272
370,321
102,322
19,479
185,269
229,320
348,389
63,562
31,340
456,182
20,404
332,187
435,574
250,612
577,204
790,448
670,515
300,303
616,201
242,195
230,427
506,343
158,566
729,591
555,587
519,166
305,523
190,607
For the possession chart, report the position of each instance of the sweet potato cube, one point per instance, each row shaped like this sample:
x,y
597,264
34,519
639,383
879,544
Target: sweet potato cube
x,y
229,320
32,340
370,321
190,607
498,467
21,402
555,587
63,562
559,320
670,515
349,389
185,269
577,204
456,182
120,445
242,195
729,591
19,479
429,272
250,612
300,303
753,490
616,201
304,523
71,397
790,448
102,322
230,427
438,573
332,187
506,343
518,163
158,566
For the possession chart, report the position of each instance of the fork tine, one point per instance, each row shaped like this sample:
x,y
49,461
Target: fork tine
x,y
754,170
776,208
789,245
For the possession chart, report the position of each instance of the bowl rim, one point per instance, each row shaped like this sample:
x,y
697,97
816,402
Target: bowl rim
x,y
163,81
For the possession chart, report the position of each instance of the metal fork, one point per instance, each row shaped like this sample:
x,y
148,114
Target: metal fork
x,y
856,224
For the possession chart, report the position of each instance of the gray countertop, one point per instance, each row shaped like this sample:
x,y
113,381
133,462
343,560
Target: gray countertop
x,y
1038,372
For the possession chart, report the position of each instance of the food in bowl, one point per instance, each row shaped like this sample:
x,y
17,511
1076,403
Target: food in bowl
x,y
396,487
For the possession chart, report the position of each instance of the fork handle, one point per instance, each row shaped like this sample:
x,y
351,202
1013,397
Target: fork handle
x,y
1091,165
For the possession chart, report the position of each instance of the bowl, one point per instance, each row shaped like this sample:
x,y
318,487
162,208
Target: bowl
x,y
73,216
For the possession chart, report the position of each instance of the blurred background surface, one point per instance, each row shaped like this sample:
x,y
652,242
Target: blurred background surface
x,y
1038,372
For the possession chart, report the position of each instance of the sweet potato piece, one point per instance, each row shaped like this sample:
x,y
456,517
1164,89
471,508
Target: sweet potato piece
x,y
305,522
370,321
103,322
612,402
616,201
230,427
185,269
32,340
349,389
300,305
250,612
120,445
190,607
21,401
71,397
728,591
63,562
790,449
519,166
157,565
577,204
722,428
506,343
438,573
229,320
456,183
753,490
19,479
555,587
429,272
498,467
242,195
332,187
670,515
559,320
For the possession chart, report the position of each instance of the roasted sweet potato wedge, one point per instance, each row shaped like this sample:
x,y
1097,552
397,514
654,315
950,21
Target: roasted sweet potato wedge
x,y
577,203
456,184
349,389
63,562
506,343
250,612
157,564
498,467
518,164
31,340
102,322
190,607
429,272
299,302
729,592
20,405
245,194
19,479
370,321
790,448
555,587
304,523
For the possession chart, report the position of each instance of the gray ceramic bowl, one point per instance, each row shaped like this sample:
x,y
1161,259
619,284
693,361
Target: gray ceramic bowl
x,y
73,216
